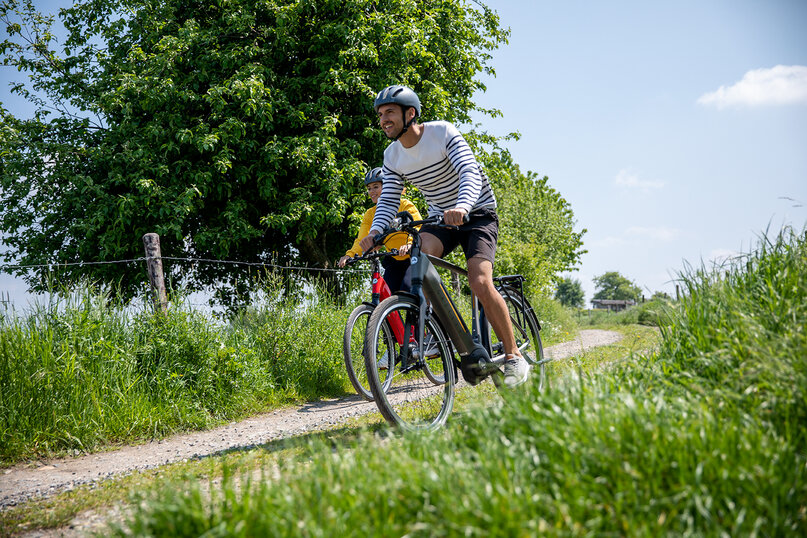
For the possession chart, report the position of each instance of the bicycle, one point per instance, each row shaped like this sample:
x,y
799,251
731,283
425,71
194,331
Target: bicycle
x,y
357,324
353,338
420,393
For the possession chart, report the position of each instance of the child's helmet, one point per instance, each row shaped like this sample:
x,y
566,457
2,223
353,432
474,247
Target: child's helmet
x,y
374,175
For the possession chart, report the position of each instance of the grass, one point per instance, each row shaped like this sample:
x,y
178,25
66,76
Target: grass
x,y
82,373
704,436
60,509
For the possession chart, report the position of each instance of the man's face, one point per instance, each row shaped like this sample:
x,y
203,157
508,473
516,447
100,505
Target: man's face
x,y
391,119
374,190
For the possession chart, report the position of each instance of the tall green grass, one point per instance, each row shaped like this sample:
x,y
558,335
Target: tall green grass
x,y
705,437
81,372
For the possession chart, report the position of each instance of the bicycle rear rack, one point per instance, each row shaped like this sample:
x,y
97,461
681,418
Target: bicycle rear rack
x,y
517,282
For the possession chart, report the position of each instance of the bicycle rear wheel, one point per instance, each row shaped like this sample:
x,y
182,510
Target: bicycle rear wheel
x,y
352,344
421,394
526,331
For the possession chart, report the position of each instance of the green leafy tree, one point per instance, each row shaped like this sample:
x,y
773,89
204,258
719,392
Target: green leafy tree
x,y
536,234
234,129
570,293
612,285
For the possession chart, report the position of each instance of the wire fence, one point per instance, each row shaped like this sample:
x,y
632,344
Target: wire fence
x,y
7,267
54,267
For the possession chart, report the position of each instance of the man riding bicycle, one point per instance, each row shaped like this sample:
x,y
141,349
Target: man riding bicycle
x,y
436,158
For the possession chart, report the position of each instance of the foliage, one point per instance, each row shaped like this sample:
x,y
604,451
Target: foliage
x,y
83,372
703,438
234,129
612,285
570,293
536,224
748,317
661,296
557,323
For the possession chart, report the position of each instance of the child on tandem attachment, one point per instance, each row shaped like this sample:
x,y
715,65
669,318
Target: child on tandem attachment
x,y
396,268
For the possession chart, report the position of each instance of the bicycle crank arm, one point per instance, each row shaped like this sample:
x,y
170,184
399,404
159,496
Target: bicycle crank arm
x,y
476,366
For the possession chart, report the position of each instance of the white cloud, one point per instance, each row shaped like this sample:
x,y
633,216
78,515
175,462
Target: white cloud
x,y
721,256
631,180
780,85
656,234
609,242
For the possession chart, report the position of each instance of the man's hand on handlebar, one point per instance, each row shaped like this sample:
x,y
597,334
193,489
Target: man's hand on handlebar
x,y
342,261
455,217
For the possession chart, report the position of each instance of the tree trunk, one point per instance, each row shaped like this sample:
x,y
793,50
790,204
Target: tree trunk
x,y
314,252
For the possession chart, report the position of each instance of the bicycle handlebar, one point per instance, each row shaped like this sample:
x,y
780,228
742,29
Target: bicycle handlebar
x,y
371,255
403,222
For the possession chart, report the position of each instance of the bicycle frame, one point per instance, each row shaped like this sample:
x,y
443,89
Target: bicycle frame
x,y
380,291
509,286
428,288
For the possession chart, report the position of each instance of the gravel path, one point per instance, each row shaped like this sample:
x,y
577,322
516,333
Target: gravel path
x,y
23,482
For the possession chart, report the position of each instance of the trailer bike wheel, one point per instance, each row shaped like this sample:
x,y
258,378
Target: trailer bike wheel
x,y
352,344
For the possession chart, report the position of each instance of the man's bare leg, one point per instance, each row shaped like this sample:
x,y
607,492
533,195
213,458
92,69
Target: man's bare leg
x,y
431,245
480,277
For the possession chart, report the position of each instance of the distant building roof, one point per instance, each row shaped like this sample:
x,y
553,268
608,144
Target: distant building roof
x,y
613,305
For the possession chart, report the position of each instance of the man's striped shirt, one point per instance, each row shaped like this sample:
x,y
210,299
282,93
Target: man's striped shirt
x,y
442,166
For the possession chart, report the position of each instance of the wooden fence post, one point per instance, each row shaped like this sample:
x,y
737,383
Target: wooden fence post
x,y
154,263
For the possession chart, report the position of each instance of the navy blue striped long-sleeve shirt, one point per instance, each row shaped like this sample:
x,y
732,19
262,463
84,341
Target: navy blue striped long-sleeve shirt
x,y
442,166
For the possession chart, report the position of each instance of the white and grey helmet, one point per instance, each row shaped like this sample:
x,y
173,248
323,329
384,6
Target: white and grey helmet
x,y
399,95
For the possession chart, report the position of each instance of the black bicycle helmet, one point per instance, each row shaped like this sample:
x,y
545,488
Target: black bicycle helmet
x,y
373,175
400,95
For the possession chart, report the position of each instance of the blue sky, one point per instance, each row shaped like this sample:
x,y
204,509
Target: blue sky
x,y
667,125
676,130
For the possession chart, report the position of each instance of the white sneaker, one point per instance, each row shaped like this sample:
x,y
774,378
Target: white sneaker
x,y
516,371
430,348
383,362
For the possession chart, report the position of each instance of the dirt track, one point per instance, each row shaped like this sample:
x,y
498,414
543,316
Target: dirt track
x,y
23,482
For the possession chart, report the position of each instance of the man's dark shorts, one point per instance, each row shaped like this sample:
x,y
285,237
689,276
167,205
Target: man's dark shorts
x,y
477,237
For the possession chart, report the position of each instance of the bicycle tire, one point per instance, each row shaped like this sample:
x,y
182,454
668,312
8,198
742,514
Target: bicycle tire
x,y
413,400
526,331
352,344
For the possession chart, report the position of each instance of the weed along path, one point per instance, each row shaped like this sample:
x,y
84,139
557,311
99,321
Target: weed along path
x,y
27,481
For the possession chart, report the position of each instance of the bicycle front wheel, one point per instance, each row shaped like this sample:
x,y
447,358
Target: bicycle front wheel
x,y
421,393
352,343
